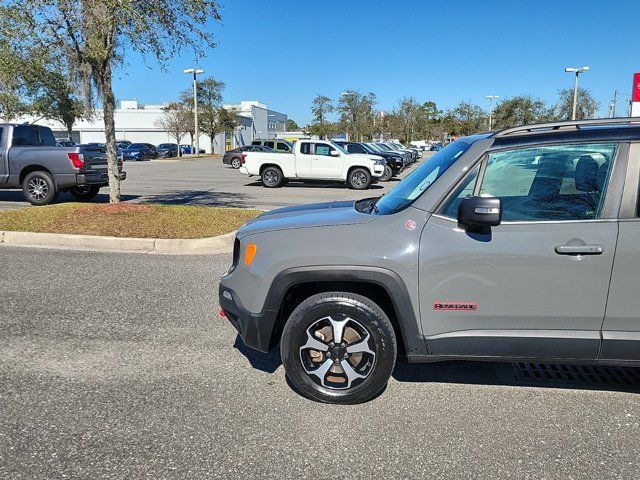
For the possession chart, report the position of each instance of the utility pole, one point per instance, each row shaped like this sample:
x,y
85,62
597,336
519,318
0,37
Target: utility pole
x,y
195,72
577,71
491,98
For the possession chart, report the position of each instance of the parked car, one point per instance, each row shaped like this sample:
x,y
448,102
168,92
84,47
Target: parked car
x,y
31,160
139,151
436,147
475,255
167,150
234,157
415,152
122,144
313,160
65,142
395,147
189,150
275,144
378,148
394,162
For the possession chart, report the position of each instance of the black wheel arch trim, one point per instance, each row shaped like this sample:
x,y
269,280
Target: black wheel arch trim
x,y
256,329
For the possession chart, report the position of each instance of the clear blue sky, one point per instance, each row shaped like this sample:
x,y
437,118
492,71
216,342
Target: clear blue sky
x,y
284,52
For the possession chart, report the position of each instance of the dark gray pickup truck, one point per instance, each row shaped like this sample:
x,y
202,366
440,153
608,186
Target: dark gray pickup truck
x,y
30,159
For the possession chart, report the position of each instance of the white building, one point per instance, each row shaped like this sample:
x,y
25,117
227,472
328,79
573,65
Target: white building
x,y
137,123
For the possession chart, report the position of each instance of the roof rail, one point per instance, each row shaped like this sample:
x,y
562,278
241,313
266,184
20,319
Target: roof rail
x,y
575,124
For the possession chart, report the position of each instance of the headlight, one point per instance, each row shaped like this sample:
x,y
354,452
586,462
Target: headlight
x,y
380,161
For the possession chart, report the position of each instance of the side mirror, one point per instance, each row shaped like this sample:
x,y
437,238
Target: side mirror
x,y
475,212
335,153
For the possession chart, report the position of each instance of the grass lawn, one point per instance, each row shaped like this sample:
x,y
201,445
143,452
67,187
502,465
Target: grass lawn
x,y
126,220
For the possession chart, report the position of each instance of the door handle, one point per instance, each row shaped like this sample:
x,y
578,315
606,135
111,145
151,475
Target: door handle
x,y
580,249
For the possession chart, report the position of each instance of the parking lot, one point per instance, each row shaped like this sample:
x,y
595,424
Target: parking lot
x,y
208,182
132,374
121,368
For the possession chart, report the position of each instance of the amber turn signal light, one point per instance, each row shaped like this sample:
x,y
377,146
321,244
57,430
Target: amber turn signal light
x,y
250,253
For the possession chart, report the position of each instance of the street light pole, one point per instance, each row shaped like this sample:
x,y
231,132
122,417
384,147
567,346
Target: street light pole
x,y
195,72
577,71
491,98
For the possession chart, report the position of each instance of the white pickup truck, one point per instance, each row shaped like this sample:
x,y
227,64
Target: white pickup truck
x,y
313,160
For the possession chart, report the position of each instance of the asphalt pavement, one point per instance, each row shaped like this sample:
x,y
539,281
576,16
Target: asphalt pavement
x,y
208,182
117,366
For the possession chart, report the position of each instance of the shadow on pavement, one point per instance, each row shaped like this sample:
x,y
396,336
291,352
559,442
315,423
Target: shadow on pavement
x,y
64,197
200,197
265,362
312,184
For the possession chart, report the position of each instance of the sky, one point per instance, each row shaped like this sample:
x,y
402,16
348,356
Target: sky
x,y
284,52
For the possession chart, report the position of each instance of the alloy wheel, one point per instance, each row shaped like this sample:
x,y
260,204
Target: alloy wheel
x,y
336,353
359,179
38,188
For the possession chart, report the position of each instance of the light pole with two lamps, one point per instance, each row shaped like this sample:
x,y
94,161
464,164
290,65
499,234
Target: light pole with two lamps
x,y
577,71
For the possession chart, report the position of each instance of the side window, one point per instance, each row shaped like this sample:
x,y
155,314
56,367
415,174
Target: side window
x,y
256,142
1,135
283,147
305,148
323,149
564,182
464,190
355,148
26,136
269,144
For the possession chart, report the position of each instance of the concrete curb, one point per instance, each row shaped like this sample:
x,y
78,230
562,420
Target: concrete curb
x,y
211,245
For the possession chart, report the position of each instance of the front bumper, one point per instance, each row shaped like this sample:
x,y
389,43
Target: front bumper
x,y
254,328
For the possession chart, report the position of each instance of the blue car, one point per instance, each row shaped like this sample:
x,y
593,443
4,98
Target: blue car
x,y
139,151
188,149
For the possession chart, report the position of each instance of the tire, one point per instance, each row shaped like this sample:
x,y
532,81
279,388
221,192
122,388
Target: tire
x,y
39,188
84,193
272,177
359,179
387,174
316,374
235,163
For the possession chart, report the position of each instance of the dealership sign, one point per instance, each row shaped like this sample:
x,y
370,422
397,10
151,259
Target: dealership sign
x,y
635,96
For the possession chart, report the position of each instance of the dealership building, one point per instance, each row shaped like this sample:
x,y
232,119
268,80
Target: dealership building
x,y
137,122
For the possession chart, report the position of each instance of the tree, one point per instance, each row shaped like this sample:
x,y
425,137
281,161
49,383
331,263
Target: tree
x,y
91,37
212,117
321,107
292,125
465,119
586,107
520,110
53,97
357,114
186,98
174,120
12,85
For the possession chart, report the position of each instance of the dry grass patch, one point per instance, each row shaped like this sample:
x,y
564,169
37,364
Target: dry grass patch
x,y
127,220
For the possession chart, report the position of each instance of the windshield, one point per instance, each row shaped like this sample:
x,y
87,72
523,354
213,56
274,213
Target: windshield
x,y
368,148
339,147
419,181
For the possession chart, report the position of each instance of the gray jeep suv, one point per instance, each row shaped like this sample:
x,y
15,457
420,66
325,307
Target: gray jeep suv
x,y
518,244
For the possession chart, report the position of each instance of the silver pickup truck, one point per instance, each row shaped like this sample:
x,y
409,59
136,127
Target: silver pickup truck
x,y
30,159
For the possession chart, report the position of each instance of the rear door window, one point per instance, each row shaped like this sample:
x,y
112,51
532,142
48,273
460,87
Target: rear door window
x,y
323,149
305,148
24,135
270,144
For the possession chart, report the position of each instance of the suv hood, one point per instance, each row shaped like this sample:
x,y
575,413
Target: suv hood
x,y
306,216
